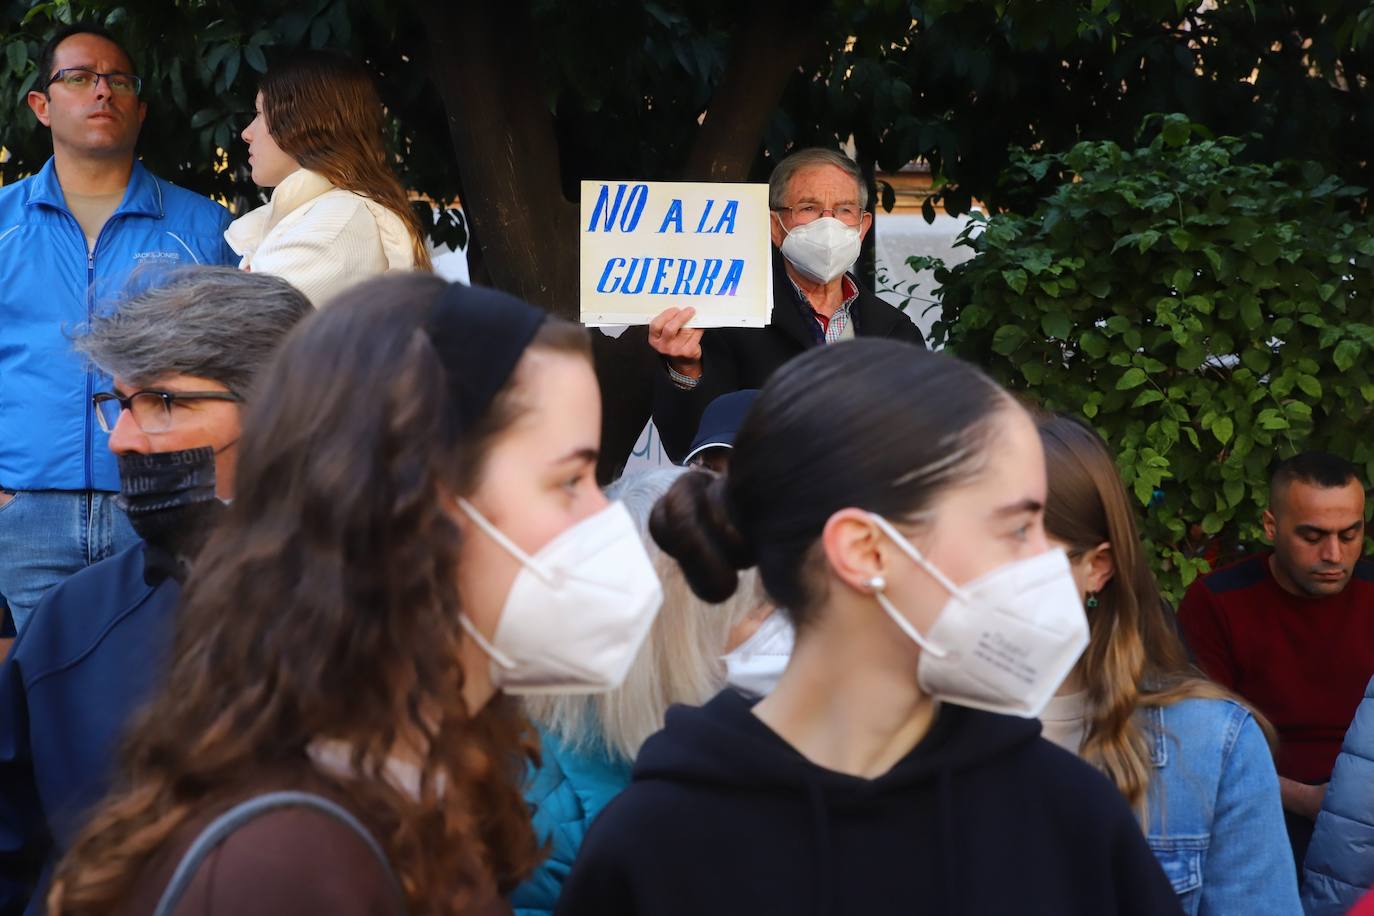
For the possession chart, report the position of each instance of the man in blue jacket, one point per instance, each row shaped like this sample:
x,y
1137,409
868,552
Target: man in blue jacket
x,y
185,357
69,238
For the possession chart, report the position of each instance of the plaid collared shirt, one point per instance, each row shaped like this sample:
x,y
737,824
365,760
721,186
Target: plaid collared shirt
x,y
839,325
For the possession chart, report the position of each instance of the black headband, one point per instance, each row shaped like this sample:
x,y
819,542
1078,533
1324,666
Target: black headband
x,y
480,334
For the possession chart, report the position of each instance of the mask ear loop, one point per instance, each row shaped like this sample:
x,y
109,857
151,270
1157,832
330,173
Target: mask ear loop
x,y
877,583
495,654
506,544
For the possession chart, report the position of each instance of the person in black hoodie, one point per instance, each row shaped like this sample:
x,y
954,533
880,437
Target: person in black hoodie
x,y
892,501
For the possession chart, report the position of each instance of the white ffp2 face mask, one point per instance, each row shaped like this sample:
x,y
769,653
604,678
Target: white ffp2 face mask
x,y
822,249
578,611
1003,642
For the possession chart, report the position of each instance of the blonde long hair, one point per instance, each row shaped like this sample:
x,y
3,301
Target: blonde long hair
x,y
1134,658
324,112
680,661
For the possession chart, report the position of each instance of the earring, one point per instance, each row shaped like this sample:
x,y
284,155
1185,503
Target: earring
x,y
877,583
1092,601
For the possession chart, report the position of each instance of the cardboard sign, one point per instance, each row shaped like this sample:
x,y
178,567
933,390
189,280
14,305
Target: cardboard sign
x,y
652,245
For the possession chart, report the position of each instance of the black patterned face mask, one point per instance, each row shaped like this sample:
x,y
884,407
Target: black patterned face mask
x,y
171,503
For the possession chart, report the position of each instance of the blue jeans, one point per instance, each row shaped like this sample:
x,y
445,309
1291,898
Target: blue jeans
x,y
47,535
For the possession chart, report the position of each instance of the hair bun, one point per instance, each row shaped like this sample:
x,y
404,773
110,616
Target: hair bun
x,y
692,524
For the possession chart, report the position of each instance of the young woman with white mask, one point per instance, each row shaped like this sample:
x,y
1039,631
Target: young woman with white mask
x,y
589,742
892,501
416,524
1190,757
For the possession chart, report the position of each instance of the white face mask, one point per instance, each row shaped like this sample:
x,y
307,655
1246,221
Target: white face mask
x,y
822,249
755,665
578,611
1005,641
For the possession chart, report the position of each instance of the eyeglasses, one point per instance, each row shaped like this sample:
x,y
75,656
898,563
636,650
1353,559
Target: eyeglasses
x,y
809,213
152,409
81,79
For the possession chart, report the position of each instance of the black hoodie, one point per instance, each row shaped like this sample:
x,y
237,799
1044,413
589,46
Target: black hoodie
x,y
982,817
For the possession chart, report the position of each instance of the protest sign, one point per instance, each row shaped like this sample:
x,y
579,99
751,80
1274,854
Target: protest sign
x,y
652,245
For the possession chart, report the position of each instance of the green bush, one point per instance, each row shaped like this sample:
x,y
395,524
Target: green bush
x,y
1208,315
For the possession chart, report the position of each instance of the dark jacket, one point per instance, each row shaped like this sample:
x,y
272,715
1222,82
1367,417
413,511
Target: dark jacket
x,y
92,652
736,358
981,817
290,862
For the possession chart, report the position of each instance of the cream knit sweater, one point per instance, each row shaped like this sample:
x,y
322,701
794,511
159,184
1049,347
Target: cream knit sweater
x,y
320,238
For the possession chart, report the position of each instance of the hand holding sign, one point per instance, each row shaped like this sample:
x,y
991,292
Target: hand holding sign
x,y
679,344
682,245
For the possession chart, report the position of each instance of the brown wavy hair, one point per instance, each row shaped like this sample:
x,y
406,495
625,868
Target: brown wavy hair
x,y
324,112
1134,658
326,607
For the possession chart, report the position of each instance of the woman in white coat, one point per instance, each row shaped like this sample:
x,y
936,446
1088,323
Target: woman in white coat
x,y
338,213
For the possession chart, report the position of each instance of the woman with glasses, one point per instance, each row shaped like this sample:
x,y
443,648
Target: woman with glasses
x,y
416,530
1189,756
338,213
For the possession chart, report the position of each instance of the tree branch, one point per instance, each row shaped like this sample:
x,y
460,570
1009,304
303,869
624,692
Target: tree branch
x,y
768,46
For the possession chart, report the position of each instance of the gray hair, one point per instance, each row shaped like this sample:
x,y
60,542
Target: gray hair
x,y
218,323
680,661
808,158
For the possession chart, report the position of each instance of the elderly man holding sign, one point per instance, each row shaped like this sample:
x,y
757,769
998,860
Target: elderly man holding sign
x,y
819,215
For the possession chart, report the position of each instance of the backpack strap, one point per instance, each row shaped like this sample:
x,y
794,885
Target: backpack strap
x,y
245,811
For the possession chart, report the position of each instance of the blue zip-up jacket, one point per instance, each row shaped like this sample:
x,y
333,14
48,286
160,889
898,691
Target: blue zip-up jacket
x,y
50,286
567,792
93,651
1340,860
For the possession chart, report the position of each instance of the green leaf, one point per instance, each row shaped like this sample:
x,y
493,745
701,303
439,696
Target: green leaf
x,y
1056,325
1176,130
1310,386
1212,523
18,53
1131,378
1008,339
1016,280
1093,344
1257,361
1234,491
1345,354
1223,428
255,58
1250,313
1148,396
203,117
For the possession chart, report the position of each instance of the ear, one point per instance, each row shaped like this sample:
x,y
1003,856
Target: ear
x,y
852,545
1271,525
142,112
775,230
1101,567
38,104
865,224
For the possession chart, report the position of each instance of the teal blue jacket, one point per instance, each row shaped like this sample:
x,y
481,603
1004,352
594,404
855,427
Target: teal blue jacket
x,y
566,793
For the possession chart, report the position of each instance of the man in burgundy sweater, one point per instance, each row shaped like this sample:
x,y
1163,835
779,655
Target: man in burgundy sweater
x,y
1292,630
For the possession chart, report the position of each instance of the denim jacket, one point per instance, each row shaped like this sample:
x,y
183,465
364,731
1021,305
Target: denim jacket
x,y
1216,822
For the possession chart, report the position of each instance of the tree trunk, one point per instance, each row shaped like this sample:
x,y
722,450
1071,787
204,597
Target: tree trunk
x,y
488,75
487,72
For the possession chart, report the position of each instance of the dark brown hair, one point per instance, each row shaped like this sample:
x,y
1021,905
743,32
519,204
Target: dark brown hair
x,y
873,424
323,111
326,606
1134,657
